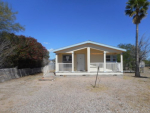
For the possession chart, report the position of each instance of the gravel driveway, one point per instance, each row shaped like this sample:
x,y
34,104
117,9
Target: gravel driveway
x,y
75,94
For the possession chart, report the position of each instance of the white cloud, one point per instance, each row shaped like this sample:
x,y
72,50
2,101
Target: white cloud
x,y
51,50
45,42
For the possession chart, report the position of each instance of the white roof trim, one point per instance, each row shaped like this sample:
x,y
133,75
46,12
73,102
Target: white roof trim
x,y
91,43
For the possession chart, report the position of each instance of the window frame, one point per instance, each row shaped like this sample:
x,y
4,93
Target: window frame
x,y
112,58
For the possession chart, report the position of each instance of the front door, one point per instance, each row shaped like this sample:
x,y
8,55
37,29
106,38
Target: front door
x,y
80,62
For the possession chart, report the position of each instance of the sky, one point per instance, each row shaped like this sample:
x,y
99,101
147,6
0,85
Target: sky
x,y
60,23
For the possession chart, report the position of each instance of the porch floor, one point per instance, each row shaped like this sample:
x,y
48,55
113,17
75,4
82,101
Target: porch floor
x,y
88,73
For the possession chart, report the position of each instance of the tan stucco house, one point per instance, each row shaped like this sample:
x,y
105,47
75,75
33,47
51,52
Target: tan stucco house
x,y
84,58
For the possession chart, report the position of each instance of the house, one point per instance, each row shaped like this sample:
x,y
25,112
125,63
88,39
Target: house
x,y
84,59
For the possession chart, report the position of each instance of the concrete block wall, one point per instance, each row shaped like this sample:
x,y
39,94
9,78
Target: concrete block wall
x,y
13,73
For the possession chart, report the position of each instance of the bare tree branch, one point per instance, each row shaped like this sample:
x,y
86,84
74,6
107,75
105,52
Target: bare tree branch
x,y
143,49
5,50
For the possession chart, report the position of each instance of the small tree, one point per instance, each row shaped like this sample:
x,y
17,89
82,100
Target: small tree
x,y
96,77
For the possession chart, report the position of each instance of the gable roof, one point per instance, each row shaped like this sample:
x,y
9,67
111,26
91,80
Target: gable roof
x,y
91,42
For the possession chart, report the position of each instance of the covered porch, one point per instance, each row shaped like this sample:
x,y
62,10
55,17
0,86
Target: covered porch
x,y
85,61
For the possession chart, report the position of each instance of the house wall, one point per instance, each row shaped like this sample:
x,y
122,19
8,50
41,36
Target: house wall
x,y
96,56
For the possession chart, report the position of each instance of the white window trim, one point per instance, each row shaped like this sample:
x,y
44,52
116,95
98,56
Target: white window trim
x,y
111,58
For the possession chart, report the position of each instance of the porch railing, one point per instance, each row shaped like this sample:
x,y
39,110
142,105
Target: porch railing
x,y
94,66
110,67
115,67
65,66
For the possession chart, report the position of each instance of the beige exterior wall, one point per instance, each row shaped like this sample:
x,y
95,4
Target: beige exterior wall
x,y
59,57
96,56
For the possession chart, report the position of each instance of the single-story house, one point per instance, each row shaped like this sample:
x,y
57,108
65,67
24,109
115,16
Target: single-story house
x,y
84,59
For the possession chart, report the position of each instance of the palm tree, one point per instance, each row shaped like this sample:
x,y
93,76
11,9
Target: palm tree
x,y
138,10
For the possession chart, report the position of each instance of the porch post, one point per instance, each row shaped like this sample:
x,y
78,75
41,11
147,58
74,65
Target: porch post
x,y
72,61
104,61
121,61
88,59
56,63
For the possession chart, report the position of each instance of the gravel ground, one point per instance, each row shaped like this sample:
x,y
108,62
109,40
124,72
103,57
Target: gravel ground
x,y
75,94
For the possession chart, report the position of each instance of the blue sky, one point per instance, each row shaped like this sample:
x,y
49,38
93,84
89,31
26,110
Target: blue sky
x,y
59,23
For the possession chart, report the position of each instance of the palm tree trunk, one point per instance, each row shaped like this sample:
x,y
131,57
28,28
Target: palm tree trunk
x,y
137,73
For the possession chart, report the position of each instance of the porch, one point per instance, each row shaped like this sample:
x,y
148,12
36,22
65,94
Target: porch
x,y
87,60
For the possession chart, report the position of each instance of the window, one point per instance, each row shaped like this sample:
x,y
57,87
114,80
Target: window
x,y
114,58
67,58
111,58
108,58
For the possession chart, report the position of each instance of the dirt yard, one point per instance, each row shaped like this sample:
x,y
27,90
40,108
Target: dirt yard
x,y
75,94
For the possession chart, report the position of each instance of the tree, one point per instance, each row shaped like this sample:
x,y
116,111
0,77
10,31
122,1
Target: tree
x,y
7,19
129,55
128,60
21,51
29,53
143,49
138,10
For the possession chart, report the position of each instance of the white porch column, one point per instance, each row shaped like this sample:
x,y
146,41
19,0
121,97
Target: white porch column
x,y
88,59
72,61
56,63
121,61
104,61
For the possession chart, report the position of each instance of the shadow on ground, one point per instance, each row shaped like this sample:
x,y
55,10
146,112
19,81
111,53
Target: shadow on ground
x,y
141,77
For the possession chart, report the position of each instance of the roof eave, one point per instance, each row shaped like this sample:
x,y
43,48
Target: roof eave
x,y
124,50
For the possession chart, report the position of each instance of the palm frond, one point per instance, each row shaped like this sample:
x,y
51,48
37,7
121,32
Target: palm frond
x,y
133,13
146,5
128,7
128,12
142,11
142,16
137,9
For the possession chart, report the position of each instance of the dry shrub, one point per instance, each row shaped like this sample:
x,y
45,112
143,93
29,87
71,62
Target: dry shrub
x,y
98,88
141,100
126,77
